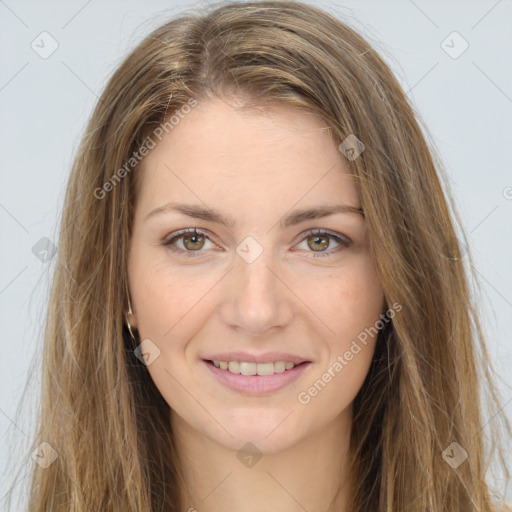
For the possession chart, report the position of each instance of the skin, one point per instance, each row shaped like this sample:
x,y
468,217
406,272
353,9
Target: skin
x,y
256,166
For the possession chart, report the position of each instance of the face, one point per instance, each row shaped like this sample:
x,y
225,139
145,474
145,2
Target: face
x,y
252,282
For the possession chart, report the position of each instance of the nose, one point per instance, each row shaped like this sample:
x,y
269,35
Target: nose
x,y
257,298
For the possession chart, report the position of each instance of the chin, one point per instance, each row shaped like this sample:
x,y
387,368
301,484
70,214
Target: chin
x,y
269,433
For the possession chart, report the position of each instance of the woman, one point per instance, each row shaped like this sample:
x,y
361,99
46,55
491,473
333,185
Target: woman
x,y
260,302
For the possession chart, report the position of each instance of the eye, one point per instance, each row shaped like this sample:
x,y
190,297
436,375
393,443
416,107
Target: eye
x,y
318,240
192,241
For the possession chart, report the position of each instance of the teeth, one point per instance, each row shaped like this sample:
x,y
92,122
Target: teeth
x,y
280,366
254,368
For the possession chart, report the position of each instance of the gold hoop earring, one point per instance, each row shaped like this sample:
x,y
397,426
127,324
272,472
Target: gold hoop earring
x,y
128,322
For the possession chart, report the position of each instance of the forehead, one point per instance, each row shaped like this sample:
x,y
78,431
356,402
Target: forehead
x,y
226,155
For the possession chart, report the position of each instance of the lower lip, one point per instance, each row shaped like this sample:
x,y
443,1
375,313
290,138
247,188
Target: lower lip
x,y
257,384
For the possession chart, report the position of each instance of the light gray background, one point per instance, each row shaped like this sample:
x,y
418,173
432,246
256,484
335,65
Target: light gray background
x,y
465,102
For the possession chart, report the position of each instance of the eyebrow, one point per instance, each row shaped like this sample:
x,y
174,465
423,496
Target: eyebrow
x,y
296,217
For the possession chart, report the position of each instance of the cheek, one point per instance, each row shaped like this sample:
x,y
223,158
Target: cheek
x,y
353,305
350,305
360,305
331,391
166,298
170,306
346,301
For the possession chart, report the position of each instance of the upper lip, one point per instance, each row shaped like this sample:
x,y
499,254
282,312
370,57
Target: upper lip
x,y
267,357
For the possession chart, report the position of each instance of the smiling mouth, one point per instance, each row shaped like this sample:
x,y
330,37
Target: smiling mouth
x,y
256,369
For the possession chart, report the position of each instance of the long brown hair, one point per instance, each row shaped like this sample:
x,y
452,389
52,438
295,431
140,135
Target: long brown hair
x,y
100,410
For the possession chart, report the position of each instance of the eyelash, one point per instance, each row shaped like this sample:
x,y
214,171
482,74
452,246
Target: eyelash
x,y
176,236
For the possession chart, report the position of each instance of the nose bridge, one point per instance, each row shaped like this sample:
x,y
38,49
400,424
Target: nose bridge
x,y
259,300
